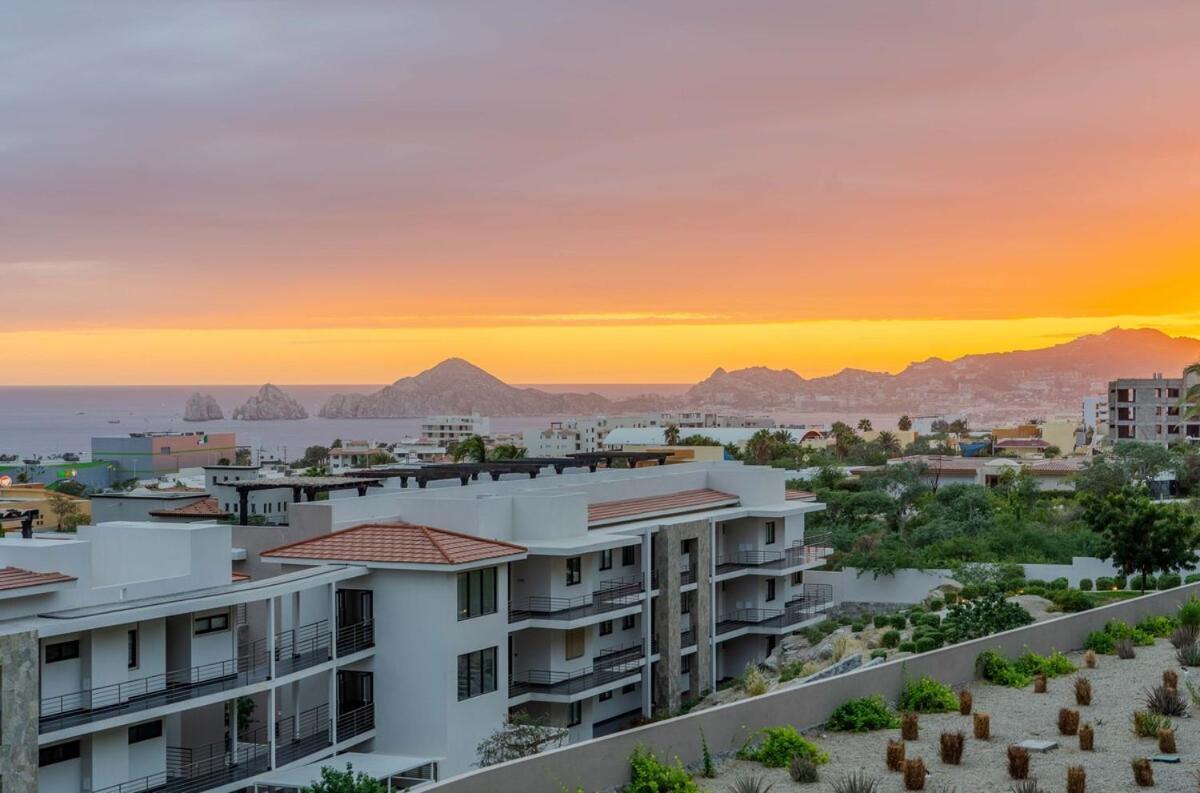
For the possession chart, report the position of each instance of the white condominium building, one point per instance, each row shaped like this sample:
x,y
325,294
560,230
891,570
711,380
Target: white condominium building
x,y
443,430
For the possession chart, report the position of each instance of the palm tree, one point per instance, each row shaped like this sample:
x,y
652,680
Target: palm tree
x,y
759,447
507,451
889,443
864,425
671,435
472,449
1189,402
904,424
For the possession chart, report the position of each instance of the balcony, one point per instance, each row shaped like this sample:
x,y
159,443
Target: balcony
x,y
687,577
301,648
812,550
687,639
606,668
309,732
609,596
816,598
356,637
192,770
104,702
354,722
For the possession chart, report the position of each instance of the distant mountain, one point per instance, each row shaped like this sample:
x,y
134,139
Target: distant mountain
x,y
456,386
271,403
1050,378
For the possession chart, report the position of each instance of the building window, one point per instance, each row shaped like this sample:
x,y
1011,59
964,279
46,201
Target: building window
x,y
685,665
606,559
605,697
476,673
131,648
213,623
59,753
606,627
574,570
575,714
770,589
770,532
628,688
797,578
685,603
476,593
63,651
145,732
628,554
629,622
574,640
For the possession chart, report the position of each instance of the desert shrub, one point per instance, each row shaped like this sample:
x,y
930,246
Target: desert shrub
x,y
1143,774
995,668
803,770
778,746
754,682
914,774
899,622
845,619
1165,701
1160,627
1125,649
982,617
981,724
857,627
926,695
827,627
1089,659
813,635
1071,600
1188,655
895,755
857,782
1147,725
1018,762
709,769
882,620
965,702
1083,691
1085,585
1087,737
750,783
648,774
890,639
915,610
1166,742
1192,578
791,671
1103,584
1059,583
1170,678
1026,786
878,653
1184,635
1039,683
969,592
1189,613
1105,641
863,715
907,647
1076,779
1169,581
926,644
909,726
1100,642
1068,721
1053,665
936,605
951,598
950,747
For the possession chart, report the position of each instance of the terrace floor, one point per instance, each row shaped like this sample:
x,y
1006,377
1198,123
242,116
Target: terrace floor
x,y
1018,714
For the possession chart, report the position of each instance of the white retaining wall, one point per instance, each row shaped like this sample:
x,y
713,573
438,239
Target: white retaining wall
x,y
602,763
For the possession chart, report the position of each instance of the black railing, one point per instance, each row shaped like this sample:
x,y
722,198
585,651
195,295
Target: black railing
x,y
810,550
356,638
606,668
608,596
192,770
353,723
815,598
309,732
300,648
687,577
687,638
102,702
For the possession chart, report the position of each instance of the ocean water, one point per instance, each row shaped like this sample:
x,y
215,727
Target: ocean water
x,y
50,420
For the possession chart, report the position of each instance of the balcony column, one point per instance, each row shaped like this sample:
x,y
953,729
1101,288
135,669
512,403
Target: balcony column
x,y
334,627
233,726
271,676
712,600
647,639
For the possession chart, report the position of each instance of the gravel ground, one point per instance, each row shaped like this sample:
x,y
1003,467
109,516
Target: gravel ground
x,y
1018,714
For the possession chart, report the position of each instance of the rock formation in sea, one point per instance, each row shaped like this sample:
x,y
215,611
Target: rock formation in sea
x,y
202,407
271,403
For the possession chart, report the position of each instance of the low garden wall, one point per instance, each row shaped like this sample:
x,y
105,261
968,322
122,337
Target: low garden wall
x,y
603,763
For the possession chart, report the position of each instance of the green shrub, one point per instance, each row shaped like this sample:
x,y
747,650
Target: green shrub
x,y
907,647
1085,585
926,695
1071,600
827,627
995,668
863,715
779,746
813,635
857,627
1059,583
647,774
1100,642
1036,582
845,620
899,622
1135,583
1192,578
891,639
983,617
1040,591
936,605
925,644
1189,612
1054,665
970,592
1120,581
1160,626
1103,584
880,653
951,598
1123,630
882,620
789,672
915,610
1169,581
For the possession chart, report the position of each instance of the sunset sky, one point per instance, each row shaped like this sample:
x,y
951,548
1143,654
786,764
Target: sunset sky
x,y
586,191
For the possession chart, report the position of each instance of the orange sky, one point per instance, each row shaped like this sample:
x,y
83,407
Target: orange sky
x,y
220,193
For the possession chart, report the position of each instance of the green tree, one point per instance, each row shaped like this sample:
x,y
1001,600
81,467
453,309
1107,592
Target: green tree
x,y
472,449
699,440
1018,492
904,424
507,451
889,443
844,439
864,425
759,447
671,435
1052,451
337,443
314,456
334,781
1139,535
1143,461
380,457
241,457
66,510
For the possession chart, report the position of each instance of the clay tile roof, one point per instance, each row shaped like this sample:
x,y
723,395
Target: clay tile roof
x,y
238,578
205,507
396,543
799,495
682,501
16,578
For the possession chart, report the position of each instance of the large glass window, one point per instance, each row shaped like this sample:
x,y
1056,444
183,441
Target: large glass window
x,y
476,593
62,651
575,641
574,570
770,540
146,732
476,673
59,753
606,559
627,555
214,623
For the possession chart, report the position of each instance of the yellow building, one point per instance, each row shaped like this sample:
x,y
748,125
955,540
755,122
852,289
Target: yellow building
x,y
18,498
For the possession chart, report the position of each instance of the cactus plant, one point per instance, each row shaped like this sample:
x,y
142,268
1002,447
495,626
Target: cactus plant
x,y
1089,659
1039,683
1143,774
951,747
908,727
1087,738
965,702
1076,779
1166,741
1018,762
1068,721
982,723
914,774
895,755
1083,691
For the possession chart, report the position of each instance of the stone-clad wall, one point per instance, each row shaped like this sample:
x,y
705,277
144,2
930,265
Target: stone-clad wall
x,y
19,712
667,617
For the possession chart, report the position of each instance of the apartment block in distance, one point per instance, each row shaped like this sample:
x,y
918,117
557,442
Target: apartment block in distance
x,y
1148,409
147,455
443,430
591,600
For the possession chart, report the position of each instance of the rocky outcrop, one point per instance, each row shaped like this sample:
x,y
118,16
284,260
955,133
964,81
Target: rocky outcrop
x,y
455,386
202,407
271,403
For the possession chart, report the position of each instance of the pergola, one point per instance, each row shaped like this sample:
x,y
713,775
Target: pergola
x,y
309,486
465,473
593,459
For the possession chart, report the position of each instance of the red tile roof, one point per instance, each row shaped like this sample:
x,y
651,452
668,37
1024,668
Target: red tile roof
x,y
1022,443
799,495
240,577
396,543
16,578
682,501
204,508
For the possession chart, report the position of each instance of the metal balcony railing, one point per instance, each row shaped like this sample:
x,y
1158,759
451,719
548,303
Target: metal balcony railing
x,y
309,732
606,667
353,723
687,639
687,577
300,648
809,605
608,596
356,637
102,702
812,549
193,770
